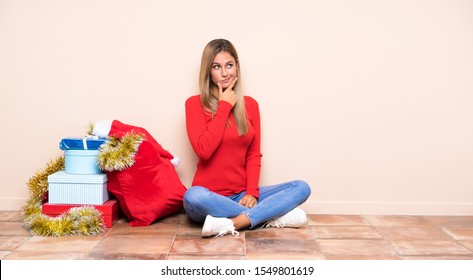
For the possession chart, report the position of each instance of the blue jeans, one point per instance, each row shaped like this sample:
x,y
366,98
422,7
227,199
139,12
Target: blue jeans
x,y
274,201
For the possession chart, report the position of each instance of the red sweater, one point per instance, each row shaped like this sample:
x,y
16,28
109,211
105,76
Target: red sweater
x,y
228,163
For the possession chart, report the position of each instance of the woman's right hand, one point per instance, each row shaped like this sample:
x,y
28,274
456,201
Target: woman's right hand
x,y
228,95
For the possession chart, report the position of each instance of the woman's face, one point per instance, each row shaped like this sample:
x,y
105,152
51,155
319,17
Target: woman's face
x,y
224,69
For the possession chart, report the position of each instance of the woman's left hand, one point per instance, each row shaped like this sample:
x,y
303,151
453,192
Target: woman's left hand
x,y
248,201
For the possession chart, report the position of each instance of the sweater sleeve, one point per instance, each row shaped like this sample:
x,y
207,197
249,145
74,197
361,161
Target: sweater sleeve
x,y
205,137
253,156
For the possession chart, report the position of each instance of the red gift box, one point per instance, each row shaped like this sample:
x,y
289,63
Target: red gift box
x,y
110,210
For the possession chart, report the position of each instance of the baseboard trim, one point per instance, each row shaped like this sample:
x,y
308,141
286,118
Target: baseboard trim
x,y
387,208
341,207
12,203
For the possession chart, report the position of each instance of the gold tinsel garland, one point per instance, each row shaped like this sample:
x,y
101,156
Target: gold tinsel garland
x,y
85,220
118,154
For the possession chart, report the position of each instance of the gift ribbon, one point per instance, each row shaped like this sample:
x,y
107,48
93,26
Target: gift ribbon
x,y
84,140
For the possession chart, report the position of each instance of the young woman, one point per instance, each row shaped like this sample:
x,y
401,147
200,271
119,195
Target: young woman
x,y
224,130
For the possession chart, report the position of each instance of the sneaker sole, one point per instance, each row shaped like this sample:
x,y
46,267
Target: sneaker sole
x,y
205,228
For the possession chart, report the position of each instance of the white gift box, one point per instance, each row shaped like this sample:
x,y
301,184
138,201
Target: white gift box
x,y
64,188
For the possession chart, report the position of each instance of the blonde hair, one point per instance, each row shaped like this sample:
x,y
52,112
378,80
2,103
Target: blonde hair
x,y
208,100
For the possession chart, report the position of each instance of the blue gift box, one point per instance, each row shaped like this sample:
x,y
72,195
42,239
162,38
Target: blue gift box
x,y
81,162
66,188
81,143
81,154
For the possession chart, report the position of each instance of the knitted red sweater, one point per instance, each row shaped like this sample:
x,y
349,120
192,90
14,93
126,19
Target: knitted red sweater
x,y
228,163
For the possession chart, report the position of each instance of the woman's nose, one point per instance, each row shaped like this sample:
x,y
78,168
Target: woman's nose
x,y
224,72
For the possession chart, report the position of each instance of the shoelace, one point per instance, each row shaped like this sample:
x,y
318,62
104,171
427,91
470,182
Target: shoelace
x,y
275,223
232,231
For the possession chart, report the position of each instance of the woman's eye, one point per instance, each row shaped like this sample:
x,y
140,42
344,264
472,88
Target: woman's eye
x,y
216,67
229,66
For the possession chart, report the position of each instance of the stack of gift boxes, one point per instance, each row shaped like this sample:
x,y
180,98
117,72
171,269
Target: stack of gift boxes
x,y
81,183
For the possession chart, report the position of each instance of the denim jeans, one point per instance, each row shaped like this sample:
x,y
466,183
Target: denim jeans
x,y
273,202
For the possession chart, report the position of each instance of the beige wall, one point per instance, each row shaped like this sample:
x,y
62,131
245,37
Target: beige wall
x,y
368,101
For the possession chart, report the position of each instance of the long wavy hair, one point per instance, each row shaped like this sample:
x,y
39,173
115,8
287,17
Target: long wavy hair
x,y
208,100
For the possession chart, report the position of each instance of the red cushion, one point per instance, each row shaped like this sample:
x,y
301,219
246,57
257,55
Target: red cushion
x,y
151,188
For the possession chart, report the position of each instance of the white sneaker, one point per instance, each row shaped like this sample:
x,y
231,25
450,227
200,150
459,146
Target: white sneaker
x,y
218,227
294,218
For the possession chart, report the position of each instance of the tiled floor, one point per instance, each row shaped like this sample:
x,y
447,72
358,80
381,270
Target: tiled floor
x,y
326,237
